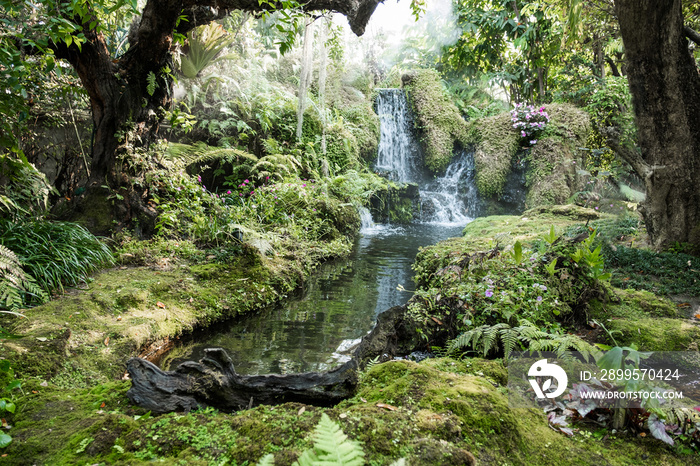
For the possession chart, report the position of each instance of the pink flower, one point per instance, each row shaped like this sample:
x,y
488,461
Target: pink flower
x,y
488,293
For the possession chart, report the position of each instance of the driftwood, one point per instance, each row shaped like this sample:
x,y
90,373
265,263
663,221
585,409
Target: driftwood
x,y
213,381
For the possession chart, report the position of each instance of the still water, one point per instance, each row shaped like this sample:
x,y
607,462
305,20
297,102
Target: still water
x,y
339,305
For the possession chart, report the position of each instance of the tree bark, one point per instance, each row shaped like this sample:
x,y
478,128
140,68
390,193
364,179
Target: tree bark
x,y
665,86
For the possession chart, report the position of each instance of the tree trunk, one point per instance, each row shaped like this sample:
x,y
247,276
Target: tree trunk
x,y
665,86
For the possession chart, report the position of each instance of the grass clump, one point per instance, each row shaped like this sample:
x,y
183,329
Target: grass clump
x,y
55,254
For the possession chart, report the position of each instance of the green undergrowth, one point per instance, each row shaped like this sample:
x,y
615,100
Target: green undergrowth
x,y
439,412
215,256
519,282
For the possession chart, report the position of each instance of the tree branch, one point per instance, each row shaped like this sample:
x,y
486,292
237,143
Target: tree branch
x,y
202,12
691,34
634,158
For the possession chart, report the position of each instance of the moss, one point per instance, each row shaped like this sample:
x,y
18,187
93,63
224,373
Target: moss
x,y
551,174
656,333
496,143
364,127
342,148
439,123
436,418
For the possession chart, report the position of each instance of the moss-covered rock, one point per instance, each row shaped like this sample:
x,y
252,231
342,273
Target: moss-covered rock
x,y
552,174
551,163
495,144
438,121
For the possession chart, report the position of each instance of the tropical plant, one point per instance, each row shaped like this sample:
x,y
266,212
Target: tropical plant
x,y
331,447
204,45
490,339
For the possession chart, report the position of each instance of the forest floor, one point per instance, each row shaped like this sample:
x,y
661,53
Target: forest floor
x,y
72,407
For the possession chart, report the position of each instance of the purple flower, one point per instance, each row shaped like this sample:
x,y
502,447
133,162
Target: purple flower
x,y
228,192
522,133
199,178
488,293
539,299
533,142
245,181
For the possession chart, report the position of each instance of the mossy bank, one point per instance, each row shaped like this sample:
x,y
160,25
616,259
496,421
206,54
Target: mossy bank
x,y
439,412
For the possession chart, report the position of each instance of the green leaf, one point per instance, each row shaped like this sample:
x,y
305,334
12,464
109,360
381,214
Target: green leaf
x,y
658,429
5,440
151,80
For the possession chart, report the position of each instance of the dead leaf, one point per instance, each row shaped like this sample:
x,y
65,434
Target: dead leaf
x,y
363,400
34,392
44,383
160,305
42,338
697,316
301,410
386,406
119,317
4,423
102,405
107,341
642,434
191,300
342,416
436,320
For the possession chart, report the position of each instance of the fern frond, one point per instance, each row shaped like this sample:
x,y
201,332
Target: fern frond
x,y
267,460
331,447
16,287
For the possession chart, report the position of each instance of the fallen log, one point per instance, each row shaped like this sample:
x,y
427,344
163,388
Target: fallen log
x,y
213,380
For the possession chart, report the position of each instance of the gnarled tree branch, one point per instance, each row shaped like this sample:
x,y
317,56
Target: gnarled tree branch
x,y
691,34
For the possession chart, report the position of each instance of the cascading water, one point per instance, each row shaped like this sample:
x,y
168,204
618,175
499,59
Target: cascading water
x,y
448,200
398,152
451,199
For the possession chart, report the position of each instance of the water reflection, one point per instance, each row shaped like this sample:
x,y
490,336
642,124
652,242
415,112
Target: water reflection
x,y
319,330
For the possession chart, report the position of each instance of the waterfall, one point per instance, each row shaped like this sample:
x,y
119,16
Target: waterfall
x,y
366,219
398,150
451,199
446,200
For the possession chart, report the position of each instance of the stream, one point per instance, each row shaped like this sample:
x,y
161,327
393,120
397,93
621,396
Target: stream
x,y
319,329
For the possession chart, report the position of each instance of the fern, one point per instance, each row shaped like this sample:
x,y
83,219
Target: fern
x,y
15,286
267,460
151,80
276,166
331,447
490,338
202,153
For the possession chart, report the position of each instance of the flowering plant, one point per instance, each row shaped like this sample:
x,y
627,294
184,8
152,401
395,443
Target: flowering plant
x,y
529,122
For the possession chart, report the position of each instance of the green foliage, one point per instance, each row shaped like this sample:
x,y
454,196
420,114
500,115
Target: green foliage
x,y
7,385
26,189
55,253
492,339
16,288
507,40
331,447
